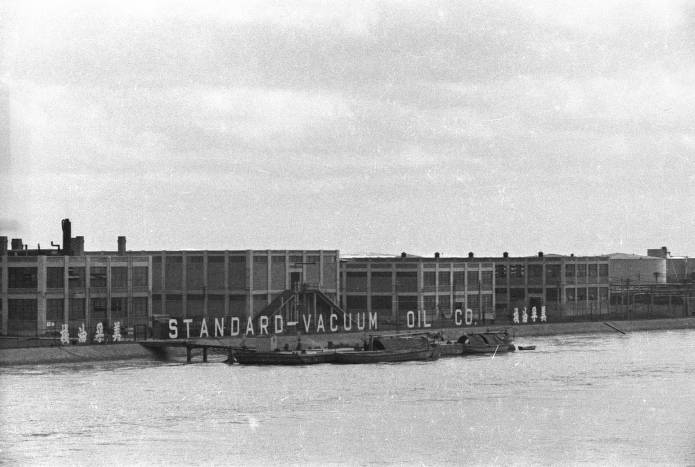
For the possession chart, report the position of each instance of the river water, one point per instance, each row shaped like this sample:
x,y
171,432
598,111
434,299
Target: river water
x,y
595,399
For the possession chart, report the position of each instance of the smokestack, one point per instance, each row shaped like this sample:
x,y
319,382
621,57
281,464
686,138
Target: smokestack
x,y
17,244
67,237
121,245
3,245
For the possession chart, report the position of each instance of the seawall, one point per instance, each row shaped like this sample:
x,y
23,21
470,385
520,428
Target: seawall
x,y
133,350
74,353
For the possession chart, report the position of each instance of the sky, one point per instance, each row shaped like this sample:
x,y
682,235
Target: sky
x,y
518,126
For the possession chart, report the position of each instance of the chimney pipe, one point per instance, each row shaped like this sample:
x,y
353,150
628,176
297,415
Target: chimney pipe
x,y
436,255
505,255
540,254
77,246
470,254
3,245
121,246
67,236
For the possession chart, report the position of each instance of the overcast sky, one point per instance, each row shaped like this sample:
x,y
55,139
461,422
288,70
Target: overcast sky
x,y
360,126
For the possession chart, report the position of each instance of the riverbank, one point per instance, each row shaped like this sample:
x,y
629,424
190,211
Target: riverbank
x,y
134,350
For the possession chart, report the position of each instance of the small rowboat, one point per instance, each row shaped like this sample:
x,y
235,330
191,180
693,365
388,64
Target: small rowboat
x,y
526,347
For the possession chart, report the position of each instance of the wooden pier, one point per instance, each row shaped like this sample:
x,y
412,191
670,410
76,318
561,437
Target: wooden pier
x,y
189,344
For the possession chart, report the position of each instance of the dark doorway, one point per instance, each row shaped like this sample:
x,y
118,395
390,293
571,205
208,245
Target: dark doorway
x,y
295,280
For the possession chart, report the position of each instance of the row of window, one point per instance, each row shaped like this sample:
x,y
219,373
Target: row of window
x,y
263,277
26,277
26,309
431,303
552,271
385,281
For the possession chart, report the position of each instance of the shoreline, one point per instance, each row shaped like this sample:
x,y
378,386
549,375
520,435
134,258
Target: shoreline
x,y
134,350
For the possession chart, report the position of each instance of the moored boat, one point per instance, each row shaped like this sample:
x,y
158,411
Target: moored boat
x,y
381,349
479,343
282,357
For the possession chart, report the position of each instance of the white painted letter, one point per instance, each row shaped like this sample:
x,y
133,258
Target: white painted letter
x,y
457,317
361,328
188,327
372,320
319,324
424,320
264,325
334,327
204,328
345,323
234,326
410,319
278,324
249,327
306,323
469,316
173,328
219,327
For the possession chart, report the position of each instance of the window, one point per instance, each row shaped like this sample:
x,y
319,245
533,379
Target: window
x,y
119,277
500,271
486,277
551,295
356,281
473,280
54,309
570,271
444,280
76,309
97,276
517,270
474,302
173,276
535,271
381,281
381,303
21,309
356,303
76,278
22,278
406,281
140,306
140,278
118,308
430,303
429,279
460,280
444,303
98,309
581,294
552,273
593,271
54,277
581,272
603,270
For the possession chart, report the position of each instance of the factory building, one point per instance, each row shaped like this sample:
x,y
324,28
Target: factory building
x,y
42,289
567,286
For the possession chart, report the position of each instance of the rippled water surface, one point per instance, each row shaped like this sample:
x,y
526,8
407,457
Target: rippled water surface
x,y
598,399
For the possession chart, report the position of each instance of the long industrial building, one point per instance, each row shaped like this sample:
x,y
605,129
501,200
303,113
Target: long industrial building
x,y
41,290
